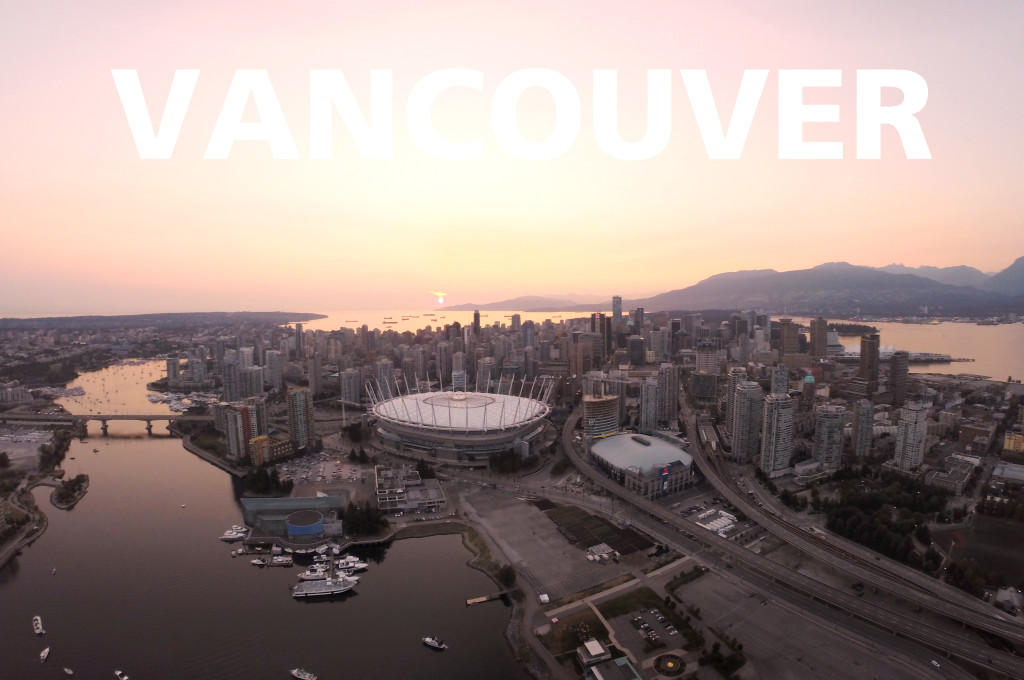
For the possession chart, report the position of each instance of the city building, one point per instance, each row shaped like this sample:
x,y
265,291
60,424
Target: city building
x,y
301,426
748,404
736,376
863,425
648,466
403,490
649,405
668,394
600,415
819,337
899,369
828,436
776,434
869,348
910,437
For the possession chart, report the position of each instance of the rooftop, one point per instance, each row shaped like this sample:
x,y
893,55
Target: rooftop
x,y
623,451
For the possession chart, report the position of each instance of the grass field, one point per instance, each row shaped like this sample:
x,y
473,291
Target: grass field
x,y
987,543
590,530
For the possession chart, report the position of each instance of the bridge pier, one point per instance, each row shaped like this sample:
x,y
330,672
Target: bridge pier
x,y
149,427
103,427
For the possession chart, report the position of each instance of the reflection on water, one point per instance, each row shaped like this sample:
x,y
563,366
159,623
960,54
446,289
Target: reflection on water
x,y
144,585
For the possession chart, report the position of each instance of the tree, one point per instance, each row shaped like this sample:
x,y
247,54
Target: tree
x,y
507,576
5,460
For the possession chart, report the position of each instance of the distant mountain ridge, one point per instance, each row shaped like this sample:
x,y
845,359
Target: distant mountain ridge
x,y
1009,281
836,289
524,303
960,275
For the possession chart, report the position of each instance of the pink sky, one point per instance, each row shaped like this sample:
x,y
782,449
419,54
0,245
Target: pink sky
x,y
88,227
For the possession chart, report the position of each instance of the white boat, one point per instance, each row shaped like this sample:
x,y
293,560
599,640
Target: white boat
x,y
43,654
352,562
313,574
434,642
37,625
68,671
259,562
302,675
120,675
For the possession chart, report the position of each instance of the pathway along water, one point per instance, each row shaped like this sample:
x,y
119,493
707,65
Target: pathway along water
x,y
144,585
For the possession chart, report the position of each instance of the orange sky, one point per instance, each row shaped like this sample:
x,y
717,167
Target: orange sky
x,y
88,227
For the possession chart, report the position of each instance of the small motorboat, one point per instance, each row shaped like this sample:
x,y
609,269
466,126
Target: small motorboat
x,y
43,654
68,671
434,642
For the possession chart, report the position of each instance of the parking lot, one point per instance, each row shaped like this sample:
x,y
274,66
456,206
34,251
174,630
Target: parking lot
x,y
533,544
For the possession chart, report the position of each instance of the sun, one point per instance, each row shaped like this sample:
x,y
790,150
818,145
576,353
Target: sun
x,y
440,295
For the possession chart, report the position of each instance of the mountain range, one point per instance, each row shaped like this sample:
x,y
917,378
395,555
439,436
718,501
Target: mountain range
x,y
833,289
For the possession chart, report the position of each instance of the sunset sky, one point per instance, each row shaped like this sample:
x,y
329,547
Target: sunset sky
x,y
89,227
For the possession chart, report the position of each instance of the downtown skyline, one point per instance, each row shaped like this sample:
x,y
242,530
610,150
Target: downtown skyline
x,y
91,228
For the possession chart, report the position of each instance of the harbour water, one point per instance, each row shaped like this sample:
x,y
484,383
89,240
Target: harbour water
x,y
143,584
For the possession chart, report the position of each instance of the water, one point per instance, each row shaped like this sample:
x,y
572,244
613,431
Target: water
x,y
415,320
145,586
998,351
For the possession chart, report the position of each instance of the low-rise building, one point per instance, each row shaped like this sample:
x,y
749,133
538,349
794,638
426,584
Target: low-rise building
x,y
403,490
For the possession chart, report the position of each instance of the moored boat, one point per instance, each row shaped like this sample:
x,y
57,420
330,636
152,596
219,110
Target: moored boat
x,y
259,562
328,586
37,625
302,675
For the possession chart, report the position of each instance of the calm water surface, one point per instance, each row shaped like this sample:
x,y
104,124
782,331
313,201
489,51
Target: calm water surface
x,y
145,586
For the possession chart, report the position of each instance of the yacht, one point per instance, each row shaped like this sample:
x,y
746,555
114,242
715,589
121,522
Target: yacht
x,y
313,574
352,562
281,561
328,586
434,642
120,676
259,562
43,654
68,671
302,675
37,625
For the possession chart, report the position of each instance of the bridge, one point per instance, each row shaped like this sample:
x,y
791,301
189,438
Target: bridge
x,y
103,418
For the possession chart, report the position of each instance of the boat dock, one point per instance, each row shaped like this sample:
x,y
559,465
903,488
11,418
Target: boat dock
x,y
502,595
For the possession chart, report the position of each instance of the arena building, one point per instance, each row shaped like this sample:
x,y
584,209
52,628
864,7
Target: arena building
x,y
647,466
460,425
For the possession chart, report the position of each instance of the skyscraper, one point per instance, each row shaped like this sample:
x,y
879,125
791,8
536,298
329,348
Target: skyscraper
x,y
789,332
232,382
780,379
748,404
863,426
828,436
636,350
819,337
351,390
638,319
313,375
275,369
910,436
476,321
776,434
649,405
302,429
617,309
899,368
869,345
736,376
668,394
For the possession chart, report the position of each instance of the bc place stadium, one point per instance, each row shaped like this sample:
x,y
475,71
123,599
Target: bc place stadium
x,y
462,425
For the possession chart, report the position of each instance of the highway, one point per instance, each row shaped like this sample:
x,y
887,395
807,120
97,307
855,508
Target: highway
x,y
893,621
861,563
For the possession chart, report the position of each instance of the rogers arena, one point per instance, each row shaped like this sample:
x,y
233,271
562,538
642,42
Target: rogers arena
x,y
460,424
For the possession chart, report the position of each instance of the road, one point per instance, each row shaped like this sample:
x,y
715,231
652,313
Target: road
x,y
893,621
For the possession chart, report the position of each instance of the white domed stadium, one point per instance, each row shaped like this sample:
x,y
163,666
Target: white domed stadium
x,y
460,424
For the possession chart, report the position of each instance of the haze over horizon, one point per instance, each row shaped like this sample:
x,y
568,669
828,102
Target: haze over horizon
x,y
90,228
